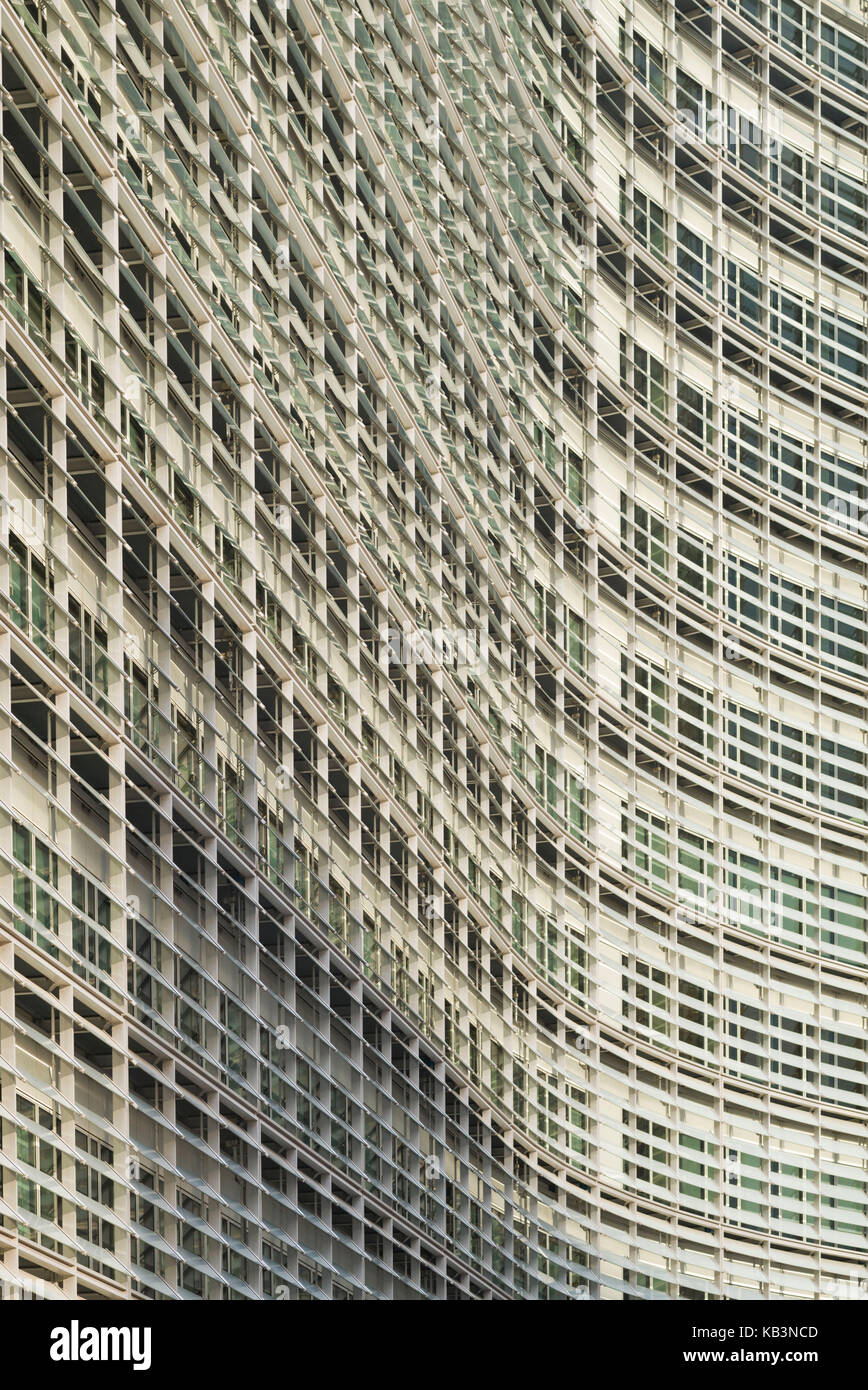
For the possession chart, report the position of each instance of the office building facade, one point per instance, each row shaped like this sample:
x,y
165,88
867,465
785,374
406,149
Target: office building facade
x,y
433,650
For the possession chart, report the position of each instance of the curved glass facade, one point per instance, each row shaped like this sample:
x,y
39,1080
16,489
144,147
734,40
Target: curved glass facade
x,y
433,645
